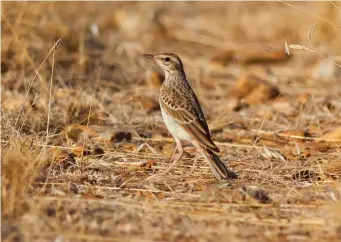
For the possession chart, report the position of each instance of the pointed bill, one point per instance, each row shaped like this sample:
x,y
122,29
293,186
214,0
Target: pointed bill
x,y
149,56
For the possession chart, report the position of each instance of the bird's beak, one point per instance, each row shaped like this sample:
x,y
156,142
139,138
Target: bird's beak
x,y
149,56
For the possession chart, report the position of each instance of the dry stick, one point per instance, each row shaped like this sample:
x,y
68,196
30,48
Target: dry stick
x,y
300,115
316,16
56,44
294,136
87,125
28,111
317,117
335,5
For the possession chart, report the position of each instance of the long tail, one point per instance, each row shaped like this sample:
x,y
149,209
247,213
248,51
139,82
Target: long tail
x,y
219,169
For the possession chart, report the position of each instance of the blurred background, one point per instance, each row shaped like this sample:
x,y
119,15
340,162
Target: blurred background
x,y
219,44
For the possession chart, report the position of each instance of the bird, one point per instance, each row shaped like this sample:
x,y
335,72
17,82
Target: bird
x,y
183,115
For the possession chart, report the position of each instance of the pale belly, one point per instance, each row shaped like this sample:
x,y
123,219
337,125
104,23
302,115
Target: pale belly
x,y
174,129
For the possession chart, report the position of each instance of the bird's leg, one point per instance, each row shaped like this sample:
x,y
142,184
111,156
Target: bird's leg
x,y
173,153
172,163
196,158
180,155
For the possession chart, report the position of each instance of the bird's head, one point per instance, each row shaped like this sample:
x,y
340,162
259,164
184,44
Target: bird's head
x,y
169,62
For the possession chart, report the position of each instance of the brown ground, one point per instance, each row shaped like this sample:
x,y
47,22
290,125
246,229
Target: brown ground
x,y
81,128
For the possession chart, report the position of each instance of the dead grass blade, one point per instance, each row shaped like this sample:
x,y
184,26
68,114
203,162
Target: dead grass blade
x,y
306,12
20,167
311,31
55,46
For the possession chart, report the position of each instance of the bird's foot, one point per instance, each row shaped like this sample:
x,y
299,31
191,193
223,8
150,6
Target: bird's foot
x,y
232,174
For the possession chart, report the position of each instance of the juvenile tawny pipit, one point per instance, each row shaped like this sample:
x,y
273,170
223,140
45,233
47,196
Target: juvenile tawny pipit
x,y
183,115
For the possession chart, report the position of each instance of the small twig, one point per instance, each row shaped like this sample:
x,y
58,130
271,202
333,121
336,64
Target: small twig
x,y
56,44
335,5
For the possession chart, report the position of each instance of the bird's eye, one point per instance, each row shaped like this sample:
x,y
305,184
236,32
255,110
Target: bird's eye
x,y
167,59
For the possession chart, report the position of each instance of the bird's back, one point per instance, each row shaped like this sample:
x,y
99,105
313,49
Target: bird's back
x,y
183,105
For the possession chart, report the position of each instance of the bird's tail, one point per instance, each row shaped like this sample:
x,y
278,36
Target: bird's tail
x,y
219,169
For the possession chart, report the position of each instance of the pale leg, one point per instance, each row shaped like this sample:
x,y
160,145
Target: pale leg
x,y
172,163
173,153
180,155
196,158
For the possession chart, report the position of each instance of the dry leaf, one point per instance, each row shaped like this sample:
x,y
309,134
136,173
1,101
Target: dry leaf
x,y
139,148
97,132
332,136
222,59
254,89
80,150
267,153
148,164
154,80
62,158
149,104
76,131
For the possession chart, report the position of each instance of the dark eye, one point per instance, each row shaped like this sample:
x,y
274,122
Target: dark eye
x,y
167,59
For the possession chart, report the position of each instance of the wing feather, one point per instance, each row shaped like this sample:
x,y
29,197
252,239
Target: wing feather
x,y
188,115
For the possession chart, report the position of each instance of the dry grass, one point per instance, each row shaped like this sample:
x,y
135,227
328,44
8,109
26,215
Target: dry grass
x,y
78,147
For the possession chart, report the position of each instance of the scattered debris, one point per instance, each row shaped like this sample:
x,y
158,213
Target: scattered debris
x,y
63,158
258,194
141,146
98,151
148,165
120,136
80,150
305,175
268,153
